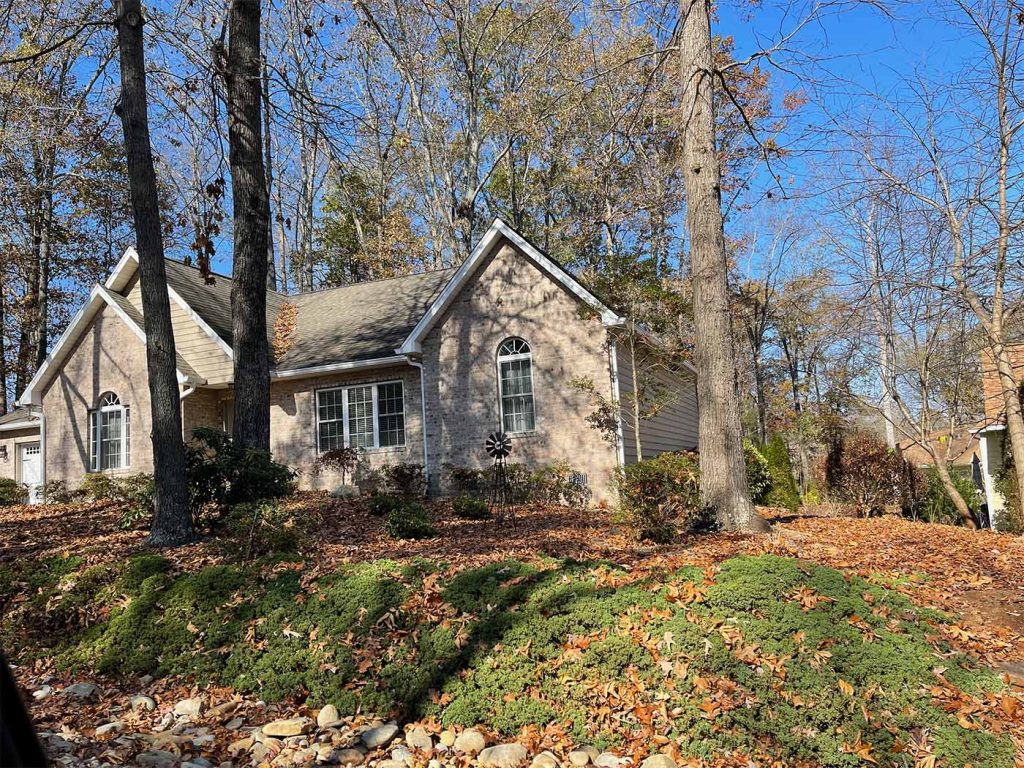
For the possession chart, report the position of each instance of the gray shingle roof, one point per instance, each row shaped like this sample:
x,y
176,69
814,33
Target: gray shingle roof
x,y
353,322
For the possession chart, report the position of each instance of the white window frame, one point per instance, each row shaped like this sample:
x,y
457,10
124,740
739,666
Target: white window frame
x,y
347,439
498,360
96,438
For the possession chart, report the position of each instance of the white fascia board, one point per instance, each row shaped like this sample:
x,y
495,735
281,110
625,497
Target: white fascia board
x,y
31,396
112,303
23,424
124,270
348,365
198,320
499,229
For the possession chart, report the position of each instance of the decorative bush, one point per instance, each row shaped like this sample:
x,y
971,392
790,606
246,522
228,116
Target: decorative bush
x,y
783,492
935,504
135,493
660,496
58,492
406,480
381,504
467,481
409,520
221,475
553,484
340,460
759,478
470,508
859,469
12,492
255,529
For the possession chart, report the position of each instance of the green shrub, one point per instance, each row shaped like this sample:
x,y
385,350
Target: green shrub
x,y
659,496
759,478
468,481
784,492
555,484
340,460
12,492
469,508
259,528
406,480
861,470
409,520
58,492
135,493
221,475
936,506
1011,518
381,504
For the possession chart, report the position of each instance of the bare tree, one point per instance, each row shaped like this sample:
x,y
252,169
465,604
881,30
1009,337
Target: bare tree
x,y
172,519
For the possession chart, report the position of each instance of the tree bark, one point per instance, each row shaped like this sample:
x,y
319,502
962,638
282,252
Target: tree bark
x,y
268,159
723,475
251,207
172,518
3,354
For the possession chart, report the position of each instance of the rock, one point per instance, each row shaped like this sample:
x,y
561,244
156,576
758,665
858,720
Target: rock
x,y
140,701
417,738
658,761
296,726
145,680
203,739
390,764
189,707
349,757
224,711
83,691
234,725
106,728
43,692
380,736
401,755
545,760
434,764
503,756
157,758
592,751
579,757
607,760
242,745
327,716
199,762
471,742
55,743
1014,671
447,737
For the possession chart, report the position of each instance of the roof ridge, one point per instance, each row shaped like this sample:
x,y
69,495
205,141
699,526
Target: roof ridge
x,y
325,289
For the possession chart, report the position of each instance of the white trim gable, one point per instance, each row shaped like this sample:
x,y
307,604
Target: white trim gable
x,y
498,231
99,297
198,320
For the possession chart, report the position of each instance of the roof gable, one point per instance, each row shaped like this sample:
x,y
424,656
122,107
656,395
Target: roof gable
x,y
496,234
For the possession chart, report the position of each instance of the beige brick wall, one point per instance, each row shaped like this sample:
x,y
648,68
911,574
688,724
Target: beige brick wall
x,y
293,422
9,442
108,357
203,408
516,299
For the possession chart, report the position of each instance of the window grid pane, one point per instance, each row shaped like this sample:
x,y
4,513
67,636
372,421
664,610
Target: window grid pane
x,y
110,439
360,417
517,395
390,414
331,420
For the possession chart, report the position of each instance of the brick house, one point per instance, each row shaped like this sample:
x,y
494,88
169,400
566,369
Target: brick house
x,y
411,369
992,434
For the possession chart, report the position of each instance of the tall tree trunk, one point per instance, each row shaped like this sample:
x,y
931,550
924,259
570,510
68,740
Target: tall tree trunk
x,y
723,475
251,207
42,304
172,518
268,159
3,354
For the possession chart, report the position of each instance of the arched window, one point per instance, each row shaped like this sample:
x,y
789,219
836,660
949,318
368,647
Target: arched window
x,y
515,382
110,434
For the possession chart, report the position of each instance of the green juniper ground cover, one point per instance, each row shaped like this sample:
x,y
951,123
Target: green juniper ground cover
x,y
766,655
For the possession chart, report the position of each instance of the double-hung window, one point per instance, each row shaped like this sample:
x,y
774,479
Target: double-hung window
x,y
110,434
515,382
364,416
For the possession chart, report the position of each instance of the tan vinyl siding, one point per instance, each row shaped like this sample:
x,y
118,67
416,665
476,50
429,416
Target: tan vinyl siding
x,y
191,341
674,427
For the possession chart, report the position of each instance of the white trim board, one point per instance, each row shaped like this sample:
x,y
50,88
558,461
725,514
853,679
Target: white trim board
x,y
497,232
348,365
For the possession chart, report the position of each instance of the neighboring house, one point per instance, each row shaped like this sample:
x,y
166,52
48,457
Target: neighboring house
x,y
992,436
962,448
412,369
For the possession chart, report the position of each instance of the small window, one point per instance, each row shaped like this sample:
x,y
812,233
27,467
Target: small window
x,y
110,431
515,381
366,416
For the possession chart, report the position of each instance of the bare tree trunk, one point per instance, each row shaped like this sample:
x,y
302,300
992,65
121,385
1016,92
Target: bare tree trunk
x,y
40,321
251,208
3,354
723,475
172,519
268,158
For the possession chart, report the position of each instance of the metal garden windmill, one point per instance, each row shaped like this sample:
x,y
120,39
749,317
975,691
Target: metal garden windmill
x,y
499,446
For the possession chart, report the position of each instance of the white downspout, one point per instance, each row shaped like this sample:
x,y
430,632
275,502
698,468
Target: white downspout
x,y
613,354
181,402
423,416
42,453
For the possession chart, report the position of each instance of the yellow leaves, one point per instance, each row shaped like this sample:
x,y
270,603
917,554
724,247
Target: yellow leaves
x,y
687,594
808,598
861,749
284,329
845,687
1009,705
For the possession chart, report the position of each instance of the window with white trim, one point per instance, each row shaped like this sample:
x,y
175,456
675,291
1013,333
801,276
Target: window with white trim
x,y
110,434
515,382
364,416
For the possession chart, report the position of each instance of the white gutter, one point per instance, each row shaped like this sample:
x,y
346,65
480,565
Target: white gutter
x,y
613,354
181,404
10,426
423,415
350,365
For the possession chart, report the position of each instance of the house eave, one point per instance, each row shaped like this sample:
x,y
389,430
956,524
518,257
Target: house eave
x,y
13,426
339,367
